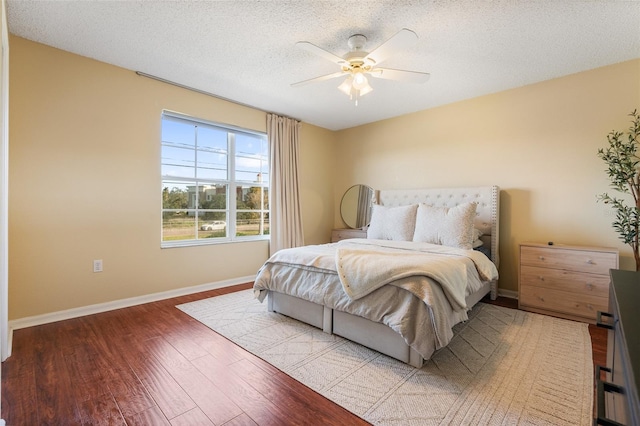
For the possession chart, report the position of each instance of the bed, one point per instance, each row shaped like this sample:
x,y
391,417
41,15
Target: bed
x,y
388,292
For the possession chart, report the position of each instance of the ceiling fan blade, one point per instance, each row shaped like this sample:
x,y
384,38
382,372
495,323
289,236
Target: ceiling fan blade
x,y
403,39
309,47
400,75
317,79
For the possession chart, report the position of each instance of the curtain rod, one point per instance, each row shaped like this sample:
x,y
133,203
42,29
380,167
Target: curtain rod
x,y
193,89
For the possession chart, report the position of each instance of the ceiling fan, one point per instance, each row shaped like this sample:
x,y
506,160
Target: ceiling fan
x,y
358,63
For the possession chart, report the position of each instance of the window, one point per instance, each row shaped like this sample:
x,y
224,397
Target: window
x,y
215,182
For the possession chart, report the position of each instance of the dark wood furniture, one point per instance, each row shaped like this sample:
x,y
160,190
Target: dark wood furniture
x,y
617,393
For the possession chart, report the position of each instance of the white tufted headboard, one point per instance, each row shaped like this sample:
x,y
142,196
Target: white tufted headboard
x,y
486,197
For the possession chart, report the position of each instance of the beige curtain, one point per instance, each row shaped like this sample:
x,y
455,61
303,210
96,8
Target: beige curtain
x,y
284,194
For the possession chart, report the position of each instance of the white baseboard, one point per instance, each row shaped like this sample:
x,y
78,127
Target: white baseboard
x,y
116,304
511,294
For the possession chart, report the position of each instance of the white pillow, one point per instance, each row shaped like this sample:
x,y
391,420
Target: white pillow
x,y
446,226
392,223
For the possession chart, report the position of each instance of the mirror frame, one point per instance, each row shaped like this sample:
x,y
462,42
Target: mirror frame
x,y
355,206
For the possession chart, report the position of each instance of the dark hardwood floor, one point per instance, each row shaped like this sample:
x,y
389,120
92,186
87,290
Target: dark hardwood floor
x,y
154,365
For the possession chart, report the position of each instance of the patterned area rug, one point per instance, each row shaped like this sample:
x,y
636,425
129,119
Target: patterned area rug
x,y
503,366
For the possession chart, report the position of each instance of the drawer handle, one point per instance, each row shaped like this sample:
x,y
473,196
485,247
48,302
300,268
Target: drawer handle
x,y
602,324
591,262
541,278
589,286
603,387
541,298
541,257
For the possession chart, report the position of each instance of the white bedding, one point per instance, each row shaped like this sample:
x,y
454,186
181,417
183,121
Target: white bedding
x,y
311,273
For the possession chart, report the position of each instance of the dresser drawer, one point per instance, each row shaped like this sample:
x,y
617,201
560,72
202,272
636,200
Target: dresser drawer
x,y
563,302
559,279
594,262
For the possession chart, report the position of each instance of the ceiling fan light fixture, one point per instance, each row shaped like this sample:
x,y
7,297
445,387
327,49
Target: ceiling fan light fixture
x,y
355,86
366,89
359,80
346,86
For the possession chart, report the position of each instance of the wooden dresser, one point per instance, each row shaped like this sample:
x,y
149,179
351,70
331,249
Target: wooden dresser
x,y
343,234
565,281
618,400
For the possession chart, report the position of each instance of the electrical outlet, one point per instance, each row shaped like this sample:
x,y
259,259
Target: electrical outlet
x,y
97,265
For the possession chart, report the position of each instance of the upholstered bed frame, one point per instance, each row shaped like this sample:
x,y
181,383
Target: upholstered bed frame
x,y
379,336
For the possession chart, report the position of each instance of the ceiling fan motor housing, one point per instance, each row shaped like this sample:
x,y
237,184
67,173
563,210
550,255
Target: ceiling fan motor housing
x,y
355,57
356,42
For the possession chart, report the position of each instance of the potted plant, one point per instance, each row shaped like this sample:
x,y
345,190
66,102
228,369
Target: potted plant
x,y
624,171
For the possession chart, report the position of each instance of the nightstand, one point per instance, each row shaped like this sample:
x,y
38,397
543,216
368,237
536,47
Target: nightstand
x,y
343,234
565,281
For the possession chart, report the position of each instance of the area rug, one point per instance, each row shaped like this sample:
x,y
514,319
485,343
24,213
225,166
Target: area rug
x,y
503,366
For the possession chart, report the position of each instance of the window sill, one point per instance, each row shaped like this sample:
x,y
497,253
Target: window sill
x,y
198,243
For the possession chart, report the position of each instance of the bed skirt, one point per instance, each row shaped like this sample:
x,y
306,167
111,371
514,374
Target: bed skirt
x,y
368,333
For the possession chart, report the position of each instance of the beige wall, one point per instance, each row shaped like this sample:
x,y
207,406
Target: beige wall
x,y
316,182
538,143
84,168
85,184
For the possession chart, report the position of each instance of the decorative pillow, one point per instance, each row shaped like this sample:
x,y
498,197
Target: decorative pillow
x,y
446,226
392,223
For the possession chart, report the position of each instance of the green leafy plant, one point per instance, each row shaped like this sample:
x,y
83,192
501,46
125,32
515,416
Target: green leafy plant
x,y
623,169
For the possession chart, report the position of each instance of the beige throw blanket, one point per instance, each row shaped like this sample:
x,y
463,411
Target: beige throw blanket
x,y
363,271
364,266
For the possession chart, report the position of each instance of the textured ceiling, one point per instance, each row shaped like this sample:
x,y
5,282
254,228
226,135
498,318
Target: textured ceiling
x,y
245,50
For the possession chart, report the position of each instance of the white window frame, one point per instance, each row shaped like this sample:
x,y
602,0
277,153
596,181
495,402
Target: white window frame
x,y
231,182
